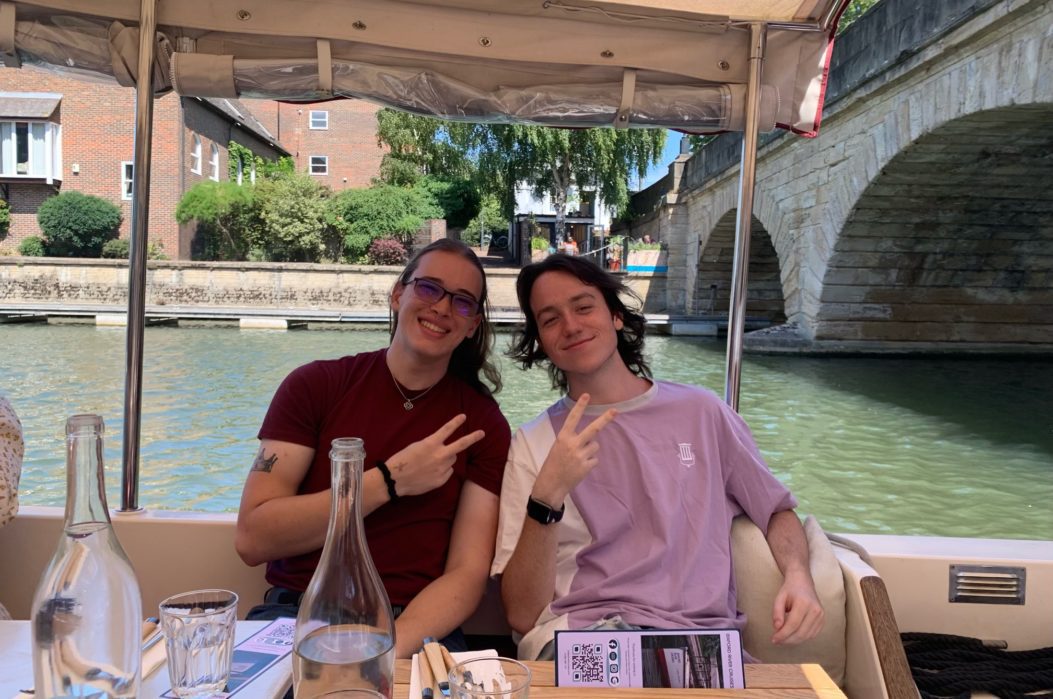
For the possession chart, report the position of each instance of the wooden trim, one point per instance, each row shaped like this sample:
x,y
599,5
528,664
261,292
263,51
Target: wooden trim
x,y
899,683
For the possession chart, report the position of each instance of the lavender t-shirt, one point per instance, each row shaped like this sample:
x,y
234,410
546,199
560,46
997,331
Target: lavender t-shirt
x,y
675,467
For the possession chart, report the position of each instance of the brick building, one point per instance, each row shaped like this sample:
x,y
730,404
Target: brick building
x,y
334,141
60,134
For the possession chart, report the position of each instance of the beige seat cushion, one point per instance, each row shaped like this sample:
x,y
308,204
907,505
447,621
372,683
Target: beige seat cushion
x,y
757,579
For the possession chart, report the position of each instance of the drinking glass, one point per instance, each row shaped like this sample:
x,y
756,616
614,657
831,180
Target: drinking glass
x,y
199,639
496,678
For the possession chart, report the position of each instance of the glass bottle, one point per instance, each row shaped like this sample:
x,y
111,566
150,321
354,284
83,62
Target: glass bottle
x,y
345,631
87,611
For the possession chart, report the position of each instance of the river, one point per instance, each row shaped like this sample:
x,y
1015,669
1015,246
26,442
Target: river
x,y
952,447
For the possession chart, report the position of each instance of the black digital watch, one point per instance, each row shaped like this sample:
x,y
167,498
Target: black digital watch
x,y
543,513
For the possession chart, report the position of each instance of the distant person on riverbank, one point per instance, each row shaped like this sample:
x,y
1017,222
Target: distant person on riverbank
x,y
436,445
12,449
617,501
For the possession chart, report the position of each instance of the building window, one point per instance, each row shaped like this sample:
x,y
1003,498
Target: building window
x,y
319,119
127,172
241,169
252,171
319,164
195,156
213,162
30,149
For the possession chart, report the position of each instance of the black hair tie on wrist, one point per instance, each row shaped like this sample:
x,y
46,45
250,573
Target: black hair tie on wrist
x,y
388,480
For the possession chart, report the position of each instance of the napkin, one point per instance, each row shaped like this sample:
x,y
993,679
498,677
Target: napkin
x,y
414,681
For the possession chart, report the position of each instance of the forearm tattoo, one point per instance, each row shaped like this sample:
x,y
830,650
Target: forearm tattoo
x,y
263,462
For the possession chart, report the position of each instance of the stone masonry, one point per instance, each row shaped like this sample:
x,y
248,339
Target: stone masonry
x,y
923,212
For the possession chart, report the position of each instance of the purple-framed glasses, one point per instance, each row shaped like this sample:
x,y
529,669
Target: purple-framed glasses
x,y
431,293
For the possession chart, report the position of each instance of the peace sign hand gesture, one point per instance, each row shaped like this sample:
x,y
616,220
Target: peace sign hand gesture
x,y
572,455
427,464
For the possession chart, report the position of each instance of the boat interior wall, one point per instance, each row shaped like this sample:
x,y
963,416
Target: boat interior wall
x,y
171,552
665,64
916,571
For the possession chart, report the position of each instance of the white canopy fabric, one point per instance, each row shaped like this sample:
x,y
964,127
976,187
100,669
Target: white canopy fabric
x,y
680,64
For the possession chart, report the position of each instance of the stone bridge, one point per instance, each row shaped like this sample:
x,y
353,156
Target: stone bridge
x,y
922,213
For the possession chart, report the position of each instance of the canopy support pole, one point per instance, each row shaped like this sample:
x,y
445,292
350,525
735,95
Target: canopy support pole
x,y
744,218
133,389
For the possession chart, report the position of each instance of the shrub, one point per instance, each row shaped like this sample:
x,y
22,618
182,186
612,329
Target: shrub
x,y
77,225
116,248
33,246
539,243
356,247
5,219
383,211
227,216
387,251
293,216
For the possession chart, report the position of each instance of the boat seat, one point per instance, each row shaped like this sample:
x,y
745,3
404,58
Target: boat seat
x,y
859,644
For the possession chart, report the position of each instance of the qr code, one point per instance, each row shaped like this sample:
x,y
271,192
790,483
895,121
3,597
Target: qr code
x,y
279,634
587,661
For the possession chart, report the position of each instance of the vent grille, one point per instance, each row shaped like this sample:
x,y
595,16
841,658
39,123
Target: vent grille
x,y
976,584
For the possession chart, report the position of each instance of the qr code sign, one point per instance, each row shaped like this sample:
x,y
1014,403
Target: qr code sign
x,y
587,662
280,634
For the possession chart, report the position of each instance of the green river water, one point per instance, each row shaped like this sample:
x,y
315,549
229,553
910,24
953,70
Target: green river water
x,y
953,447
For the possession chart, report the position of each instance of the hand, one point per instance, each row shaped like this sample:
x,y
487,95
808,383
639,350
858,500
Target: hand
x,y
797,615
425,465
572,455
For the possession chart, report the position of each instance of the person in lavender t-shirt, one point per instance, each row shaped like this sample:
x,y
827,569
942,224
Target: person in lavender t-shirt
x,y
617,501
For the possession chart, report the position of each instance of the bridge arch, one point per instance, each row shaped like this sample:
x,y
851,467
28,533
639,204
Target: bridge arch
x,y
764,294
952,241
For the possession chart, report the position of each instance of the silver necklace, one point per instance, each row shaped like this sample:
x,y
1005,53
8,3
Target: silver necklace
x,y
408,404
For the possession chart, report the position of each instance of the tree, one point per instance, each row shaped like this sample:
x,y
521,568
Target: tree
x,y
360,216
854,11
550,161
292,211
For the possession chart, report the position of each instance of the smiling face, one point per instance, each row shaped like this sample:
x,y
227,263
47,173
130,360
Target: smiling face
x,y
576,329
434,330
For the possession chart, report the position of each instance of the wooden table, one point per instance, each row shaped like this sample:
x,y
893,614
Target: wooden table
x,y
763,682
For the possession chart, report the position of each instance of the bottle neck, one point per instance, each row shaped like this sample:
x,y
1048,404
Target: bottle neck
x,y
85,487
345,515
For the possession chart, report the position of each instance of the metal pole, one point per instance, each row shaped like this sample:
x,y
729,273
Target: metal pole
x,y
744,219
133,389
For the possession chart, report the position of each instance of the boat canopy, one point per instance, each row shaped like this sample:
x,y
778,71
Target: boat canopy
x,y
678,64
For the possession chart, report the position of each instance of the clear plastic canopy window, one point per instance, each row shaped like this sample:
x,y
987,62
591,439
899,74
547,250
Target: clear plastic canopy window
x,y
678,64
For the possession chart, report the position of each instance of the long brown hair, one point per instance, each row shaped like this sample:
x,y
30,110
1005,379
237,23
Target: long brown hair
x,y
472,357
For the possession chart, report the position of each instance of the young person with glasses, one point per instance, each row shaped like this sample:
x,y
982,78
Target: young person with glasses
x,y
435,442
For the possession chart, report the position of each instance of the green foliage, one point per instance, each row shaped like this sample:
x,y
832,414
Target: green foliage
x,y
640,245
293,215
387,251
539,243
489,221
419,146
383,211
116,249
356,245
854,11
33,246
5,218
77,225
228,219
458,199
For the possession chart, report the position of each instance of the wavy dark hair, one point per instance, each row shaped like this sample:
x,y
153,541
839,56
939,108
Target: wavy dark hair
x,y
526,345
472,356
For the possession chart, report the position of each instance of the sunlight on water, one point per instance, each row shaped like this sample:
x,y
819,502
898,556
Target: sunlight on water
x,y
944,447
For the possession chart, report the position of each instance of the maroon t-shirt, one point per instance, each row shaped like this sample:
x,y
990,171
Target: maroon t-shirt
x,y
355,397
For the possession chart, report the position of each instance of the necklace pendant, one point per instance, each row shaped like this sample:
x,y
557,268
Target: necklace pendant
x,y
408,405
